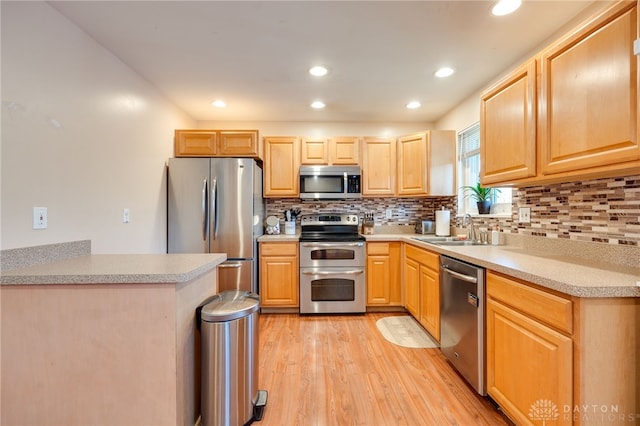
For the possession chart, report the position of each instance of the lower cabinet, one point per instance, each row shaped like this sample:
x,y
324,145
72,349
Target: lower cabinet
x,y
422,287
529,351
383,274
279,274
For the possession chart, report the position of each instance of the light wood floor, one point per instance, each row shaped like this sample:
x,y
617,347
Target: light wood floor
x,y
339,370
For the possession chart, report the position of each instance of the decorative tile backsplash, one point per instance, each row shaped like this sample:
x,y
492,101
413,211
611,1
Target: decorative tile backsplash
x,y
404,211
599,210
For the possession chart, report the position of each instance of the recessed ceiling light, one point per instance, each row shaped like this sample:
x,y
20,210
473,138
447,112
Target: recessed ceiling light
x,y
413,105
505,7
317,104
219,103
444,72
318,71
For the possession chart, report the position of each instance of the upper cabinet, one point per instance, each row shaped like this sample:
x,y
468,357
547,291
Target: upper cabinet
x,y
314,151
426,163
587,108
281,164
412,164
217,143
589,97
378,167
508,127
344,150
339,150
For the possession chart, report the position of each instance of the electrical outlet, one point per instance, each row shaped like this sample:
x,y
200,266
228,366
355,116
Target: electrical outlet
x,y
125,215
39,218
524,215
388,213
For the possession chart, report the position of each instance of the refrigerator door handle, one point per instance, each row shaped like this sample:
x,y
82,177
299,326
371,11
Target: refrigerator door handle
x,y
214,207
205,222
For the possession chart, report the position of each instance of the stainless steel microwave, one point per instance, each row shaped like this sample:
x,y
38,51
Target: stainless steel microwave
x,y
330,182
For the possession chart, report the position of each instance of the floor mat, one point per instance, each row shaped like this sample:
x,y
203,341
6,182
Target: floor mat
x,y
405,331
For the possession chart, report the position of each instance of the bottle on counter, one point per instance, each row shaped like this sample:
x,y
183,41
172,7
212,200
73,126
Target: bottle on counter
x,y
495,236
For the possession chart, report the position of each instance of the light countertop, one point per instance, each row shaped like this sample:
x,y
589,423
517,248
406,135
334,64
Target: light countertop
x,y
116,269
563,272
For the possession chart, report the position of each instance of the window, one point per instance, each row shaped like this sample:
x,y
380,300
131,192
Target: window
x,y
469,170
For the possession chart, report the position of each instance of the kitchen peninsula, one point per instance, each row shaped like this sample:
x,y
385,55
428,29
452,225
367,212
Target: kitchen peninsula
x,y
102,339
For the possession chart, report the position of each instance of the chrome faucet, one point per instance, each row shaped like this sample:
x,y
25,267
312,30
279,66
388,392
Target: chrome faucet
x,y
471,230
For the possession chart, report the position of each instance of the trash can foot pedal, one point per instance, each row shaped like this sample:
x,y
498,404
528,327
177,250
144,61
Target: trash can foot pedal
x,y
261,402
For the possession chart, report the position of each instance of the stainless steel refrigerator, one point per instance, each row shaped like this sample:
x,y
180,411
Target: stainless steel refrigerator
x,y
215,205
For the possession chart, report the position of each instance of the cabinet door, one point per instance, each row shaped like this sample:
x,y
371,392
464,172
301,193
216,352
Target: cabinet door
x,y
281,164
529,367
238,143
378,167
430,301
413,164
314,151
279,274
383,274
508,127
589,97
412,287
344,150
195,143
378,279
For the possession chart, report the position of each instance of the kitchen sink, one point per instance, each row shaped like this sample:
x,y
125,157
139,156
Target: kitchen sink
x,y
447,241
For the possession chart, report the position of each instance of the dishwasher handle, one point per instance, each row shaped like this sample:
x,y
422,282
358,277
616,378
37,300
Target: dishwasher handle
x,y
463,277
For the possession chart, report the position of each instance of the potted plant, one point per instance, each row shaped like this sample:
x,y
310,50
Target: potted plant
x,y
482,195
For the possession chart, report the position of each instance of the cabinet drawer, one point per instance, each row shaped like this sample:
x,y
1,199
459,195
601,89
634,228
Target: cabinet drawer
x,y
548,308
278,249
377,248
424,257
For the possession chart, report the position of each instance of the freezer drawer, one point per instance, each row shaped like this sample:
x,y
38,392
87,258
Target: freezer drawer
x,y
236,275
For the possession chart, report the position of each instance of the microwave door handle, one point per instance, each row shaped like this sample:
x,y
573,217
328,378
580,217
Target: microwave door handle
x,y
205,222
345,191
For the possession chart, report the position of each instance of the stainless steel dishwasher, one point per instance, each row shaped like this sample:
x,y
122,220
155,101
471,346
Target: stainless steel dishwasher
x,y
462,303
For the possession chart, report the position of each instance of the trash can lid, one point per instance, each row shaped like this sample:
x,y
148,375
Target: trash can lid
x,y
230,305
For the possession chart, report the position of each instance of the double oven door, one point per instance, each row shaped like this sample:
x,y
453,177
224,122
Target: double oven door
x,y
332,277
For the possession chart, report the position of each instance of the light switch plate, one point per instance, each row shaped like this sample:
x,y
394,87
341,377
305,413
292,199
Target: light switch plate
x,y
39,218
524,215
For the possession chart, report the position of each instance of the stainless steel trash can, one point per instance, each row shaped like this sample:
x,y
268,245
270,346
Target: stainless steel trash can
x,y
229,330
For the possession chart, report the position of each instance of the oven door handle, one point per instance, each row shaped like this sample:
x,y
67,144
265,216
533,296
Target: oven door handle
x,y
350,272
359,244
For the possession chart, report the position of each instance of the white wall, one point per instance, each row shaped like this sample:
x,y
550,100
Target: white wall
x,y
319,129
83,135
468,111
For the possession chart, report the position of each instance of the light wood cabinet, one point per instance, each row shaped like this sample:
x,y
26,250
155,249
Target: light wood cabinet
x,y
508,127
589,97
383,274
336,150
238,144
412,165
427,164
378,167
422,287
344,150
314,151
529,349
412,286
586,102
281,164
216,143
279,274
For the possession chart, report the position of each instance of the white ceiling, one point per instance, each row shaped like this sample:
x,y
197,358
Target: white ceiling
x,y
255,54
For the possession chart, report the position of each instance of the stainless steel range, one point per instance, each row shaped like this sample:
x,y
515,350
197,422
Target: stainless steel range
x,y
332,265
